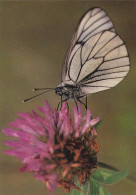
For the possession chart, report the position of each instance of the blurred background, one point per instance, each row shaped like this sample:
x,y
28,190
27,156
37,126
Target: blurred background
x,y
34,38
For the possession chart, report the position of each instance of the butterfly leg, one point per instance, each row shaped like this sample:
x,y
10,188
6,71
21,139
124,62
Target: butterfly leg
x,y
67,105
85,104
65,100
61,100
86,101
76,102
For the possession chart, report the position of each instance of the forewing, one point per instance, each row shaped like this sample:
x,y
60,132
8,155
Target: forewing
x,y
91,25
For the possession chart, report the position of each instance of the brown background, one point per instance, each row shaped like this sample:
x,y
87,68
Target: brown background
x,y
34,38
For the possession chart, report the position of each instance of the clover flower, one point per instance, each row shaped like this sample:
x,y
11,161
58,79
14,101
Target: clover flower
x,y
59,151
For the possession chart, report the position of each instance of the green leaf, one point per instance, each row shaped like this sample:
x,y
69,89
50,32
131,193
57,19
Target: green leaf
x,y
96,188
108,177
83,192
77,192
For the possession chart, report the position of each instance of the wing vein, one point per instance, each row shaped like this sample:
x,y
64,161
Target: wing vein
x,y
93,48
96,29
94,86
103,79
95,22
111,68
106,74
96,13
104,46
114,49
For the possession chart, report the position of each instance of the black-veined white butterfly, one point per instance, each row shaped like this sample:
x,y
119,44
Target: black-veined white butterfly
x,y
96,60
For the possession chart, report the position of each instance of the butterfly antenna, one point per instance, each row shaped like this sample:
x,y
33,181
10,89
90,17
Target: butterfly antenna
x,y
36,95
38,89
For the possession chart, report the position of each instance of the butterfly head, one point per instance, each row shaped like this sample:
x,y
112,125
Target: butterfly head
x,y
61,90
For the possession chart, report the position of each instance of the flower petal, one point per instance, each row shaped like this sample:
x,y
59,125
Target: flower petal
x,y
87,123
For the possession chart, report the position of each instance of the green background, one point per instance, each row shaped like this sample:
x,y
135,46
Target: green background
x,y
34,37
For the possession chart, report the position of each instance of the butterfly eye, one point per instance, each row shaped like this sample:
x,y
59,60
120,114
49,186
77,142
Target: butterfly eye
x,y
59,90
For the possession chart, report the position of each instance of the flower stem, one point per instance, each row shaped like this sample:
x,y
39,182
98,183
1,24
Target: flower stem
x,y
85,192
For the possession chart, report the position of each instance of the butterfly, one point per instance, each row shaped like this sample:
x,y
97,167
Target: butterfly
x,y
97,58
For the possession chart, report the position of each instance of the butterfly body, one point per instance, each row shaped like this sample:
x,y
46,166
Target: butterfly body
x,y
68,91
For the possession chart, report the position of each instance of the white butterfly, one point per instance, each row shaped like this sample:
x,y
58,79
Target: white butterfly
x,y
97,58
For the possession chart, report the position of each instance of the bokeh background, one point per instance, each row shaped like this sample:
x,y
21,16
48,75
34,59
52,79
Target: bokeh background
x,y
34,37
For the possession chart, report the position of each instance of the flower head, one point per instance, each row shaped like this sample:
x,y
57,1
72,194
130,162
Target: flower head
x,y
57,149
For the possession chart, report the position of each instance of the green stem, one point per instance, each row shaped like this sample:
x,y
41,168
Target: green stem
x,y
85,192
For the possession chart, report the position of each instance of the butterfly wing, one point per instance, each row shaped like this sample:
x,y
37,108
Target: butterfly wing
x,y
97,58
